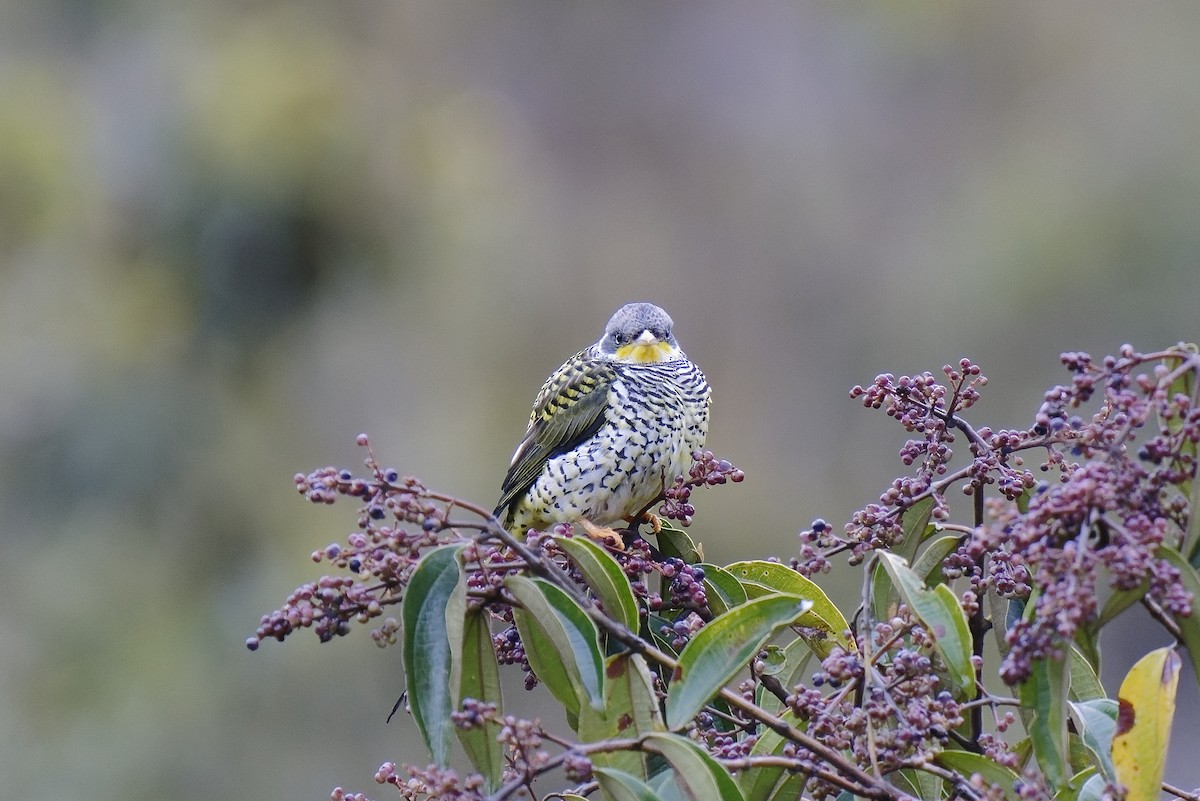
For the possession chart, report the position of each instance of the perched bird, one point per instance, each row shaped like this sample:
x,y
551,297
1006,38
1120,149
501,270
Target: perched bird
x,y
609,429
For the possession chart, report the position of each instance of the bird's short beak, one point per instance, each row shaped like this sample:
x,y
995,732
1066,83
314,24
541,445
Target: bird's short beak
x,y
646,349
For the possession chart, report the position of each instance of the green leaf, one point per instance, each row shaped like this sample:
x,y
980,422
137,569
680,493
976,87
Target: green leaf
x,y
723,589
655,623
565,652
605,577
1189,627
480,679
761,577
1147,708
617,785
1186,384
940,613
884,597
1191,538
722,648
1085,684
787,665
676,542
763,782
1044,693
1087,642
1072,790
1119,601
789,789
432,615
917,784
697,774
998,612
914,526
1096,722
1092,789
929,565
967,763
630,710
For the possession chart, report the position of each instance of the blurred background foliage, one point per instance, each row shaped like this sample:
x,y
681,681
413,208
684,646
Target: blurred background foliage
x,y
233,235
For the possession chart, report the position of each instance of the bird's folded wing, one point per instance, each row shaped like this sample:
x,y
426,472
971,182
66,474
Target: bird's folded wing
x,y
568,410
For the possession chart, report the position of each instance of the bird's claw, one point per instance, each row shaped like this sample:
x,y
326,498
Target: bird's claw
x,y
605,534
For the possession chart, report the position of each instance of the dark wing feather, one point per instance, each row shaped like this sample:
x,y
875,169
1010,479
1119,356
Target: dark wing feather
x,y
568,410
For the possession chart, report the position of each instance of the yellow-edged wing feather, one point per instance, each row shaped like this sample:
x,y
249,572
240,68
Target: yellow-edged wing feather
x,y
568,410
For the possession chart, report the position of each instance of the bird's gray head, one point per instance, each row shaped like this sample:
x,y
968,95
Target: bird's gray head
x,y
640,333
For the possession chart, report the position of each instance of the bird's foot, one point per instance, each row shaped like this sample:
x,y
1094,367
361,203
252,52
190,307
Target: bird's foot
x,y
647,517
608,536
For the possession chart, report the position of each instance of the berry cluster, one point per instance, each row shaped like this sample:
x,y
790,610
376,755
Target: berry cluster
x,y
399,519
685,589
887,707
707,471
931,409
1118,496
1111,509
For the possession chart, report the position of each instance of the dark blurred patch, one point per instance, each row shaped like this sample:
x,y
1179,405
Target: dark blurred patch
x,y
256,267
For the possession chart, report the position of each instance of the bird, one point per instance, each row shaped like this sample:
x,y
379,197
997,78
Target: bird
x,y
609,431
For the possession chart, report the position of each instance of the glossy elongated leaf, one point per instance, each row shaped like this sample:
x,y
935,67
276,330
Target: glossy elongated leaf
x,y
432,614
913,527
1044,692
605,578
1189,627
940,613
1147,708
789,789
697,774
761,577
479,678
722,648
1085,684
967,763
1190,546
1119,601
676,542
1096,722
997,610
1092,788
1186,384
884,597
565,652
617,785
1075,787
665,785
763,782
929,564
630,709
723,589
917,783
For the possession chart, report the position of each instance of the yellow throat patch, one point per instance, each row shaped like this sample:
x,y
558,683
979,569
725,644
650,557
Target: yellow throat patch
x,y
644,352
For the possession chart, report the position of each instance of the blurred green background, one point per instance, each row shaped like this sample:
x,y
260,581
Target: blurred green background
x,y
233,235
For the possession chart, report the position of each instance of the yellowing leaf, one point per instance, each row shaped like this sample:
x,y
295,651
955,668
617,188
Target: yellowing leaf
x,y
1146,708
762,578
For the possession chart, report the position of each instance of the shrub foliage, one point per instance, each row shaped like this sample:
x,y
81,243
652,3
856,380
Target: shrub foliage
x,y
968,668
